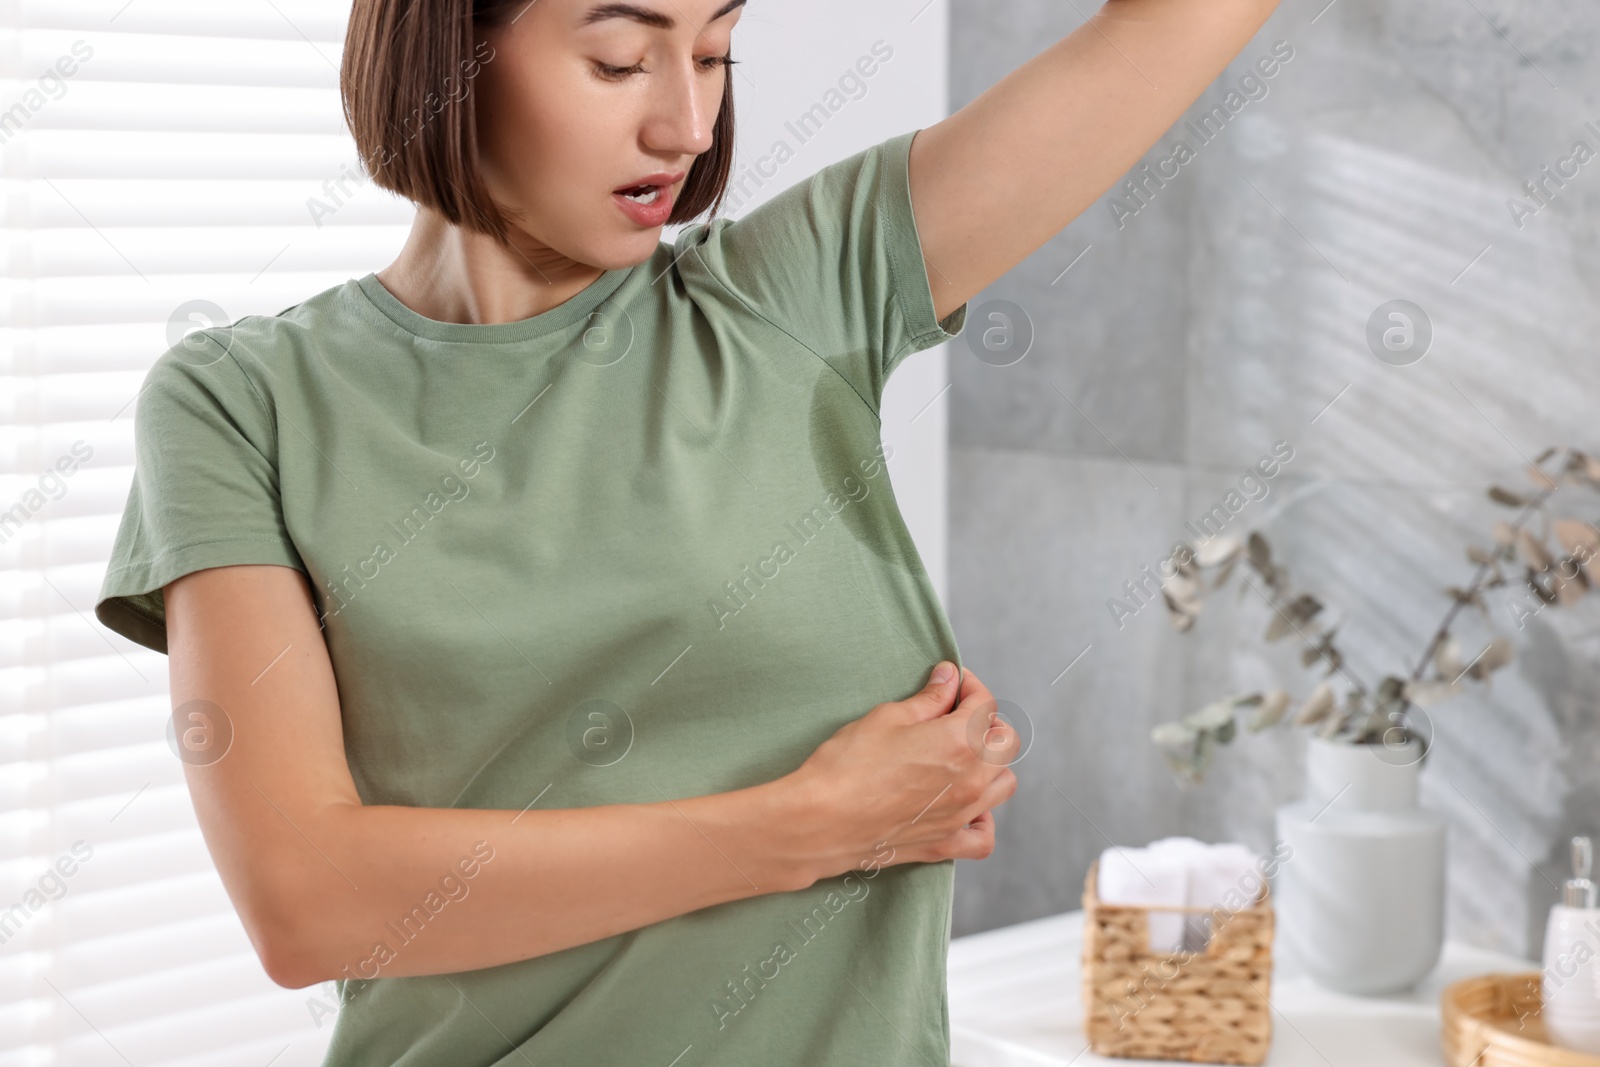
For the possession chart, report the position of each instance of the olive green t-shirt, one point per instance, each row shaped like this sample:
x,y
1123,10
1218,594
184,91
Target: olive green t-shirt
x,y
640,546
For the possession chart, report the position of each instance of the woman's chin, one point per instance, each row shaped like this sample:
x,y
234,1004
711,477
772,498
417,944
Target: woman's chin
x,y
626,251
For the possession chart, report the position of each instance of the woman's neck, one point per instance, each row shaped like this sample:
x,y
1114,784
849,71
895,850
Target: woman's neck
x,y
451,274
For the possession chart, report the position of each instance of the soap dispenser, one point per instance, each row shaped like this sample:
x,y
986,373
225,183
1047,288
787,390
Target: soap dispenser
x,y
1570,984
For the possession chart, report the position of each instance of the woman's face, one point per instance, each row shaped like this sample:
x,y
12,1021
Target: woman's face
x,y
582,99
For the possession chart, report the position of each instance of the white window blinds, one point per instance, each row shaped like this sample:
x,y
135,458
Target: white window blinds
x,y
161,162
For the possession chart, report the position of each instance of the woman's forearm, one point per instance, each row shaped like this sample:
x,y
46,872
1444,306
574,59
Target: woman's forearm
x,y
328,887
412,891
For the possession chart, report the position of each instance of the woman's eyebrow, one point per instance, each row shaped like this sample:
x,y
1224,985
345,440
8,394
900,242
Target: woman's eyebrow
x,y
645,15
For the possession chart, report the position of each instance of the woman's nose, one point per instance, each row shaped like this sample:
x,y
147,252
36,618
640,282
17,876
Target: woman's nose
x,y
685,113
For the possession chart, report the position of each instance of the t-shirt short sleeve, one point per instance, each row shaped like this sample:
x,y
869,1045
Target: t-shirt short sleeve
x,y
836,262
205,489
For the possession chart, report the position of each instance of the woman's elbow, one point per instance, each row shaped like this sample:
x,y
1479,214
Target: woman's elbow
x,y
288,957
291,968
291,951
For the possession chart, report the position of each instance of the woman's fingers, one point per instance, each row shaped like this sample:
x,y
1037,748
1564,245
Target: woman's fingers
x,y
936,696
921,772
975,841
990,737
999,791
971,685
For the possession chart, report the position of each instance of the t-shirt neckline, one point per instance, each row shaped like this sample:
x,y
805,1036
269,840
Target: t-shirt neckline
x,y
575,309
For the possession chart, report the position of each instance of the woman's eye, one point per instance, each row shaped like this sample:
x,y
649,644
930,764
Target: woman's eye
x,y
607,71
613,73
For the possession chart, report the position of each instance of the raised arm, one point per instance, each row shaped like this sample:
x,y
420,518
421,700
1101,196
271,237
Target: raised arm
x,y
997,179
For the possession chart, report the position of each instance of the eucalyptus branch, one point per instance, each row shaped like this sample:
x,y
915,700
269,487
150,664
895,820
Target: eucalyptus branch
x,y
1367,716
1533,507
1324,640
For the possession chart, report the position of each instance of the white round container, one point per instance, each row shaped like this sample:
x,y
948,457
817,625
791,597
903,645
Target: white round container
x,y
1360,898
1570,984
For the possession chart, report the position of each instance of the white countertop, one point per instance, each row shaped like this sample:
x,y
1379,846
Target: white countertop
x,y
1015,1002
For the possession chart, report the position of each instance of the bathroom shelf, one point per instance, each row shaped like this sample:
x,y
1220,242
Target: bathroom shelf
x,y
1014,1002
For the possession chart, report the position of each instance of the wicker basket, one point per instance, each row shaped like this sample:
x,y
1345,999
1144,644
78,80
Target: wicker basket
x,y
1495,1021
1200,1007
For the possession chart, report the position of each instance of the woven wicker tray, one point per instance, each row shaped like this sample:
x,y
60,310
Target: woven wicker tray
x,y
1494,1021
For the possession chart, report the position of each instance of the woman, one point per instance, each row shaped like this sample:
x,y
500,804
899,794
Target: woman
x,y
553,667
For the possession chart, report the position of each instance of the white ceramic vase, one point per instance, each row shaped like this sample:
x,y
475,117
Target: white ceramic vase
x,y
1360,897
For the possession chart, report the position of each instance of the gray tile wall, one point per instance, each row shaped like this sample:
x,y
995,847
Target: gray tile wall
x,y
1229,314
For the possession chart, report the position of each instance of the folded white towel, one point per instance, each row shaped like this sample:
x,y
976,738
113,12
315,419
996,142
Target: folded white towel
x,y
1225,876
1148,878
1180,871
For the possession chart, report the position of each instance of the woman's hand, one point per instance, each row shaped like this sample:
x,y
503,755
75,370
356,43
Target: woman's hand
x,y
912,781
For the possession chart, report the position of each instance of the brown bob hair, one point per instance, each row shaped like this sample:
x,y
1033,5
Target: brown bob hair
x,y
409,63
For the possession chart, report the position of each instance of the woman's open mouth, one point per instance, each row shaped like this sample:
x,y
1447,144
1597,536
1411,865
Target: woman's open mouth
x,y
643,194
649,202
